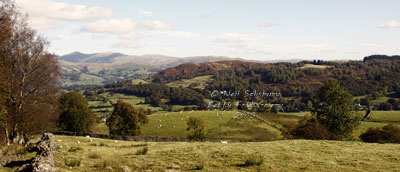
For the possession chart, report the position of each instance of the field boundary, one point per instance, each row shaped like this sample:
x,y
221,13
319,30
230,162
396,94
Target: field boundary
x,y
139,138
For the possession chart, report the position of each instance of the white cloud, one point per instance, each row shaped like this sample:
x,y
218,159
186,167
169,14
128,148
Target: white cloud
x,y
175,33
111,26
243,43
391,24
46,14
124,28
155,25
128,29
146,13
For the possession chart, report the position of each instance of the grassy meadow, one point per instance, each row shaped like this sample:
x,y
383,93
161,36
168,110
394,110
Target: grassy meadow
x,y
284,155
221,125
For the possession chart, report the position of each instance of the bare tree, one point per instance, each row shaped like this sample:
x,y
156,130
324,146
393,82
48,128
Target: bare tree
x,y
31,74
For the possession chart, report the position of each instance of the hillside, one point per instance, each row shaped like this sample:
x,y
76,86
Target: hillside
x,y
190,70
285,155
99,68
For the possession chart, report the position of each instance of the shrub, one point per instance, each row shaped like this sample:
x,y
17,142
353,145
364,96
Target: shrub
x,y
388,134
103,165
94,155
74,149
314,131
197,129
14,149
72,162
142,151
385,106
198,166
253,161
103,144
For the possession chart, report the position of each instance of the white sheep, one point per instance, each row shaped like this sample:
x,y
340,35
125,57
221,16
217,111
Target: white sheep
x,y
225,142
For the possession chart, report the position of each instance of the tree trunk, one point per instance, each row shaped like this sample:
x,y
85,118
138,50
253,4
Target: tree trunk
x,y
7,136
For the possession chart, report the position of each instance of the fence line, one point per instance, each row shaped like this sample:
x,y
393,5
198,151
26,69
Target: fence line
x,y
138,138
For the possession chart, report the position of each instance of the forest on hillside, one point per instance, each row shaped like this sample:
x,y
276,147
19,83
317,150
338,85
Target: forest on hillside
x,y
367,80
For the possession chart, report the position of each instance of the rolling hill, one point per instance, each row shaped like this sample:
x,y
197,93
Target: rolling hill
x,y
99,68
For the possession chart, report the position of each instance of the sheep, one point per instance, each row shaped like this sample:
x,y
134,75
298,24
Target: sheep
x,y
225,142
78,142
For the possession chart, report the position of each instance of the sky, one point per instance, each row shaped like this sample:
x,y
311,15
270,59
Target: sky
x,y
250,29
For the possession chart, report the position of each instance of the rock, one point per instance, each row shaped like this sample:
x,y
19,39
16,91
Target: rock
x,y
44,159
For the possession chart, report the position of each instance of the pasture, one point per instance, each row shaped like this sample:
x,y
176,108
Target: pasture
x,y
285,155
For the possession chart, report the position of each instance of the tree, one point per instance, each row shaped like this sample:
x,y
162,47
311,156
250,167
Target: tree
x,y
75,115
385,106
275,109
126,119
395,104
3,99
197,129
334,109
31,74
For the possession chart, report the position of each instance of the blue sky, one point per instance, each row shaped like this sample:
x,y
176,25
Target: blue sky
x,y
251,29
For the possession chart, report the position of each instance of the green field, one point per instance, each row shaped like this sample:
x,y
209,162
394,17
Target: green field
x,y
137,102
315,66
220,124
285,155
200,82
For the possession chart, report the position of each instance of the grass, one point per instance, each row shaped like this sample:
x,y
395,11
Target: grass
x,y
385,116
138,81
220,125
253,160
94,155
315,66
142,151
138,102
200,82
284,155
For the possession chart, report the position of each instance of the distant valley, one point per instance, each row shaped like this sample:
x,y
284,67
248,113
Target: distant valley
x,y
99,68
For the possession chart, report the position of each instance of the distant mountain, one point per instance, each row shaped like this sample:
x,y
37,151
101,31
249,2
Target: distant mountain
x,y
190,70
98,68
149,59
